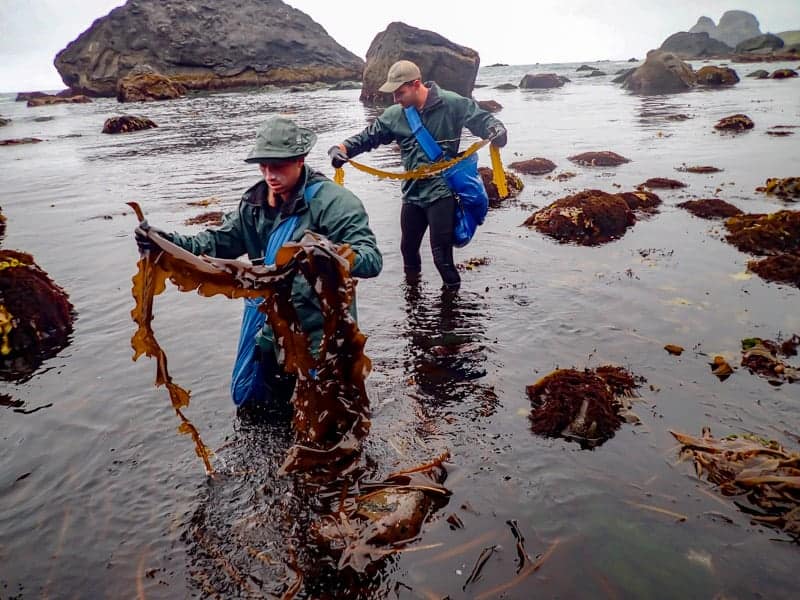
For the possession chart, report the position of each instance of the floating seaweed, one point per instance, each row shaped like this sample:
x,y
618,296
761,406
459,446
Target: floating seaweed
x,y
592,217
781,268
710,208
534,166
735,123
473,263
514,185
18,141
746,466
373,515
35,316
701,169
585,406
721,368
212,218
763,358
605,158
330,402
662,183
786,187
674,349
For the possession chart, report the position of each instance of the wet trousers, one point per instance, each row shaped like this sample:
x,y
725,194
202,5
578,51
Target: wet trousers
x,y
440,218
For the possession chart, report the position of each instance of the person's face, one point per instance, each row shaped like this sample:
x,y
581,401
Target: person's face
x,y
408,93
281,175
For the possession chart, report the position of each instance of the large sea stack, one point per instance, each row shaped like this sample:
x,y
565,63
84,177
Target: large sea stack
x,y
451,66
205,45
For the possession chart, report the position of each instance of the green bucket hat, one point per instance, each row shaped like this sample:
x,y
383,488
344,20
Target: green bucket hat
x,y
279,137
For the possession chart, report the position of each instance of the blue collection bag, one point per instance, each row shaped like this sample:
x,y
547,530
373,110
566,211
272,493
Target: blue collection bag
x,y
463,179
247,379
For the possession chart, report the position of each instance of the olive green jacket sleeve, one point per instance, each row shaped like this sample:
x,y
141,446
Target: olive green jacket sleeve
x,y
379,132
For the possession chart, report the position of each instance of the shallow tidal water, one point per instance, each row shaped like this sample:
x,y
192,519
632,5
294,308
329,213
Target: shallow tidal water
x,y
101,497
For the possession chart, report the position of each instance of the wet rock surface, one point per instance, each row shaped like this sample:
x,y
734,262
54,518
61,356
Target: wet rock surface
x,y
738,122
35,316
540,81
127,123
48,100
450,65
513,184
534,166
776,236
783,74
710,208
661,73
714,76
663,183
147,87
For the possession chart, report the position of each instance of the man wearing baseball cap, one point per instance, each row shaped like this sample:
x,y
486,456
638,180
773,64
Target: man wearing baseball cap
x,y
288,189
429,202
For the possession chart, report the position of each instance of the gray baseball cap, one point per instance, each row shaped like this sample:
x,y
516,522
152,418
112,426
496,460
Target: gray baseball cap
x,y
400,72
279,137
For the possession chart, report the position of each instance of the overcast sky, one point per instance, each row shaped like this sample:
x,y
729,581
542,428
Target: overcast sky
x,y
33,31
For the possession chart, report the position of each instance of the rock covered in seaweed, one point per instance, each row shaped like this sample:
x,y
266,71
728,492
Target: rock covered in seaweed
x,y
127,123
513,184
605,158
534,166
710,208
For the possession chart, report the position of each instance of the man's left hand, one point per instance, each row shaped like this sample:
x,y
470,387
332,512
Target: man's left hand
x,y
498,135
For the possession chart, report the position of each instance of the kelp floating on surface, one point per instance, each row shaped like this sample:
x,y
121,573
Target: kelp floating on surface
x,y
786,188
763,358
761,470
331,407
585,406
710,208
592,217
35,316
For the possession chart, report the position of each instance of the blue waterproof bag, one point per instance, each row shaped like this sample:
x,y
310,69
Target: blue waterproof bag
x,y
247,379
463,180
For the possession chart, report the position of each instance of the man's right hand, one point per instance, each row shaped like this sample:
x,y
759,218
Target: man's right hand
x,y
144,243
338,156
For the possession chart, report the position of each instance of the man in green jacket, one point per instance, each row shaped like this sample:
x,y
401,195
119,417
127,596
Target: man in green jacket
x,y
426,202
280,150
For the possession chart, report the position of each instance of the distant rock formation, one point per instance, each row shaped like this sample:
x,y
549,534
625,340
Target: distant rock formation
x,y
761,44
705,25
205,45
694,45
451,66
736,26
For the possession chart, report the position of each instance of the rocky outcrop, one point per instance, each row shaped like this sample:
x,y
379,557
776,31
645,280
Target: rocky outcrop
x,y
146,86
541,81
47,100
694,45
205,45
661,73
126,123
714,76
736,26
761,44
451,66
705,25
25,96
737,122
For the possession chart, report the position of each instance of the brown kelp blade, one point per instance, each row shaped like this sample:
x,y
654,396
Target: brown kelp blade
x,y
330,401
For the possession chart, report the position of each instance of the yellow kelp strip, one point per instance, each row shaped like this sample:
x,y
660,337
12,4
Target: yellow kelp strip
x,y
498,173
6,325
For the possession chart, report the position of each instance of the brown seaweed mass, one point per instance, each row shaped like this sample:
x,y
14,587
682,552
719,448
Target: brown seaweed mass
x,y
641,201
127,123
781,268
663,183
786,187
580,405
534,166
212,218
589,218
699,169
330,403
760,471
35,316
734,123
605,158
513,183
763,357
765,234
710,208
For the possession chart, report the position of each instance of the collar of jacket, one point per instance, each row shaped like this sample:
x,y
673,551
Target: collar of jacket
x,y
256,195
434,99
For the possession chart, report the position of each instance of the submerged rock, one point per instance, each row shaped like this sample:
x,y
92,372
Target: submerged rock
x,y
450,65
4,121
127,123
783,74
35,316
586,68
205,46
148,86
584,406
661,73
786,187
606,158
491,106
345,85
48,100
539,81
759,74
534,166
737,122
18,141
663,183
588,218
712,76
711,208
513,183
506,86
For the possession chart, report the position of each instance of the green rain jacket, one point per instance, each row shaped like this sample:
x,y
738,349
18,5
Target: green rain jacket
x,y
444,115
333,211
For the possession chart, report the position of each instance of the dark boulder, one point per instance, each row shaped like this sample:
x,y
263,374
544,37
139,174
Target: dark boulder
x,y
586,68
713,76
761,44
541,81
694,45
205,45
661,73
4,121
148,86
737,122
506,86
662,183
127,123
783,74
451,66
759,74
